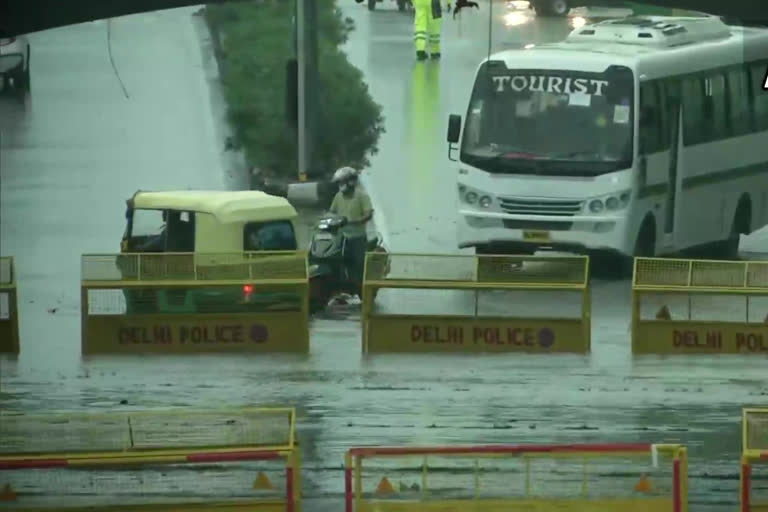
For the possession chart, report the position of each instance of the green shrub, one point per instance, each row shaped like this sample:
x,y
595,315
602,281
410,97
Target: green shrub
x,y
255,43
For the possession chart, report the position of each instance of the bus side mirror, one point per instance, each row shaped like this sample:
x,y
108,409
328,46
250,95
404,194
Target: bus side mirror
x,y
454,128
454,133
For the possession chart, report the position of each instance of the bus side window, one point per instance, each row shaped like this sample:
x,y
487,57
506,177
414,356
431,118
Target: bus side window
x,y
671,98
760,95
693,110
739,111
651,137
715,121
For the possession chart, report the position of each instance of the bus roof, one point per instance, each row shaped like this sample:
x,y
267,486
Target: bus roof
x,y
226,206
652,45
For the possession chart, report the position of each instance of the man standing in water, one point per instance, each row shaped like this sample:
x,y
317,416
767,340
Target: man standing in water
x,y
354,204
427,23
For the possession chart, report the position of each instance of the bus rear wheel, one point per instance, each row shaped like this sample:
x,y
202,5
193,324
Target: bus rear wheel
x,y
742,224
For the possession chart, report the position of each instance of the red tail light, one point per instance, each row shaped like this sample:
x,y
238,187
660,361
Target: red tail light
x,y
248,289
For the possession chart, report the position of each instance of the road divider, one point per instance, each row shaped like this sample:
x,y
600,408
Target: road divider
x,y
233,460
9,310
682,306
498,478
234,302
498,303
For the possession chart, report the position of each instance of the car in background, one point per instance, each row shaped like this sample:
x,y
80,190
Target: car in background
x,y
559,8
14,63
402,5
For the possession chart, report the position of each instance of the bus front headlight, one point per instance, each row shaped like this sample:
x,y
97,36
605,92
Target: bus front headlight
x,y
470,197
624,197
611,202
485,201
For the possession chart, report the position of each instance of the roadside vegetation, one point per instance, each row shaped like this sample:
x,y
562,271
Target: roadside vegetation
x,y
254,41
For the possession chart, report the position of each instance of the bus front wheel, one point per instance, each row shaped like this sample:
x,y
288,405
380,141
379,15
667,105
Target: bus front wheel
x,y
645,246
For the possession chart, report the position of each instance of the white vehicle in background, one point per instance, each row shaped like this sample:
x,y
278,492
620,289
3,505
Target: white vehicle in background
x,y
639,136
14,63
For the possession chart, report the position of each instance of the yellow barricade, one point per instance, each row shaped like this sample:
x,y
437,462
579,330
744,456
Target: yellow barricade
x,y
497,303
235,302
226,460
9,312
500,478
754,460
682,306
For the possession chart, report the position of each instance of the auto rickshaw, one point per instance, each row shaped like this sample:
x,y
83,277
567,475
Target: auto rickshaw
x,y
210,236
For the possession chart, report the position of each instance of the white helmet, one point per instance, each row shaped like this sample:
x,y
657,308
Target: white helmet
x,y
343,174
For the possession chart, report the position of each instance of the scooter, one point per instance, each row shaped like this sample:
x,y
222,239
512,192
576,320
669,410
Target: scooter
x,y
328,264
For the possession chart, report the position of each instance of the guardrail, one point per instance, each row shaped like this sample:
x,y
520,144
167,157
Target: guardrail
x,y
171,302
245,459
699,306
498,478
9,310
506,303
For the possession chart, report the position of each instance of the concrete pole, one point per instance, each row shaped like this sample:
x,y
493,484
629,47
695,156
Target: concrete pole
x,y
301,56
306,55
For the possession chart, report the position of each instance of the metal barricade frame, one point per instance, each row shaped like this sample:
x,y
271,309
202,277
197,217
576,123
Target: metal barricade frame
x,y
184,447
355,500
383,333
697,279
752,454
197,302
9,327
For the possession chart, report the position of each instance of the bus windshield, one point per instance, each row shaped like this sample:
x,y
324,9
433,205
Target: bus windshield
x,y
548,122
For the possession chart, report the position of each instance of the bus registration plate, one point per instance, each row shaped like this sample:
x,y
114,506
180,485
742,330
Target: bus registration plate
x,y
536,236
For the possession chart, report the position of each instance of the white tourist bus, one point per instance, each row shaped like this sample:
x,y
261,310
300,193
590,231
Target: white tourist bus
x,y
634,137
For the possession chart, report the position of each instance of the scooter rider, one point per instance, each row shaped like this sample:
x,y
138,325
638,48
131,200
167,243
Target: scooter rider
x,y
354,204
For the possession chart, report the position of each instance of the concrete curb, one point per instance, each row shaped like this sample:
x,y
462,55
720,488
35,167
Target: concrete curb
x,y
754,255
310,194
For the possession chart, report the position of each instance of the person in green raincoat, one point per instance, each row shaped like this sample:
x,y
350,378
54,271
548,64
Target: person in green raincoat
x,y
427,23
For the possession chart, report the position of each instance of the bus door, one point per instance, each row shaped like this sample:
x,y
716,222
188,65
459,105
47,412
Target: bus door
x,y
659,157
673,114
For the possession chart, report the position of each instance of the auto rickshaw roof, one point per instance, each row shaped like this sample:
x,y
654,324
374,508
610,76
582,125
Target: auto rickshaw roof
x,y
226,206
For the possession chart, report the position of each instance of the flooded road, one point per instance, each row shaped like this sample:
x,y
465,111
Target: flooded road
x,y
78,147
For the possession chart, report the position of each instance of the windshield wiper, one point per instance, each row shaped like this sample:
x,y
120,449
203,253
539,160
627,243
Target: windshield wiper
x,y
507,163
573,154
